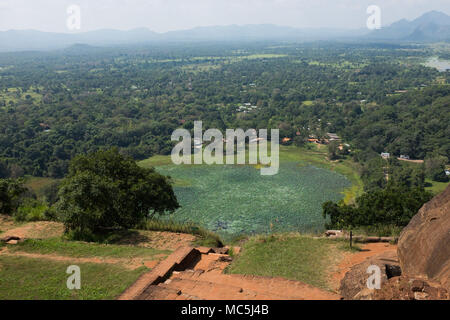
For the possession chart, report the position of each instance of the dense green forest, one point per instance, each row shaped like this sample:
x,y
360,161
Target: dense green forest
x,y
56,105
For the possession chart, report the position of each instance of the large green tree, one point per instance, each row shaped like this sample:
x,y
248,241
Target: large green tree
x,y
435,167
108,190
11,191
395,205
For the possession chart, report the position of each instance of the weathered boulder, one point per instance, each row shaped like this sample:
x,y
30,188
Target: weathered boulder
x,y
354,284
424,245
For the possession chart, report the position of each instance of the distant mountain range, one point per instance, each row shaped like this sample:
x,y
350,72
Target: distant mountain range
x,y
432,26
17,40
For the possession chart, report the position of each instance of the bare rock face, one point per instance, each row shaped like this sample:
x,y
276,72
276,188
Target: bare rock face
x,y
354,284
424,245
404,288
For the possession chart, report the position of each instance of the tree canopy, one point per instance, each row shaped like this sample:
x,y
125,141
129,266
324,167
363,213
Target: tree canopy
x,y
394,205
11,191
108,190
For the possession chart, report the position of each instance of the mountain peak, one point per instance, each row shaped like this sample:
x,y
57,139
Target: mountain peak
x,y
431,26
435,17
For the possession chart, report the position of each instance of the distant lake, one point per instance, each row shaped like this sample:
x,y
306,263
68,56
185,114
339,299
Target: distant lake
x,y
441,65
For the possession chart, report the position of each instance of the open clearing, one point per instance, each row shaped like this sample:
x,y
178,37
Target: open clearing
x,y
36,268
319,262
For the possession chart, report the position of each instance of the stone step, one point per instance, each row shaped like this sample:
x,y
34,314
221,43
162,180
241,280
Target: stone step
x,y
180,258
188,274
161,293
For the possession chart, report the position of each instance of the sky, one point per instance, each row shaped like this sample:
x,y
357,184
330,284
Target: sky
x,y
169,15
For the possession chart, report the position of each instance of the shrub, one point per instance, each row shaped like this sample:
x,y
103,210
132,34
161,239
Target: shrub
x,y
11,191
31,210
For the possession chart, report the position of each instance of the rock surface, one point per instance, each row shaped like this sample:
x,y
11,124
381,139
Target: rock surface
x,y
354,285
423,256
424,245
405,288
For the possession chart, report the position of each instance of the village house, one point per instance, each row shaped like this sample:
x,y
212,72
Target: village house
x,y
333,137
385,155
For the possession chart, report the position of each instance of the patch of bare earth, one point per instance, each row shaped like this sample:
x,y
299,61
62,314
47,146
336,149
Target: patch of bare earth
x,y
158,239
35,230
6,223
350,259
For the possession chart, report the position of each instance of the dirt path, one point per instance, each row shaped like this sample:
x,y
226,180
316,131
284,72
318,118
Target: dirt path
x,y
158,239
351,259
130,264
411,161
6,222
34,230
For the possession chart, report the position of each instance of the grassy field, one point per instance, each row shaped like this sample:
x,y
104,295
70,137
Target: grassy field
x,y
36,269
38,184
432,186
37,279
293,257
14,95
436,187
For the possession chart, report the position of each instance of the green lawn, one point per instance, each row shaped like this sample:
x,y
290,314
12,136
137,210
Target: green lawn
x,y
293,257
77,249
34,279
38,184
154,161
43,278
436,187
